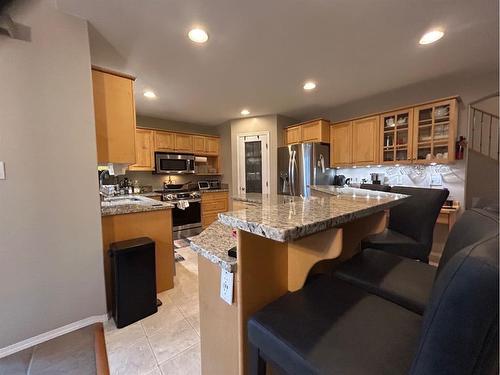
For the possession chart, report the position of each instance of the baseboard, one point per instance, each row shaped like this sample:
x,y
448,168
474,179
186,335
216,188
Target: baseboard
x,y
35,340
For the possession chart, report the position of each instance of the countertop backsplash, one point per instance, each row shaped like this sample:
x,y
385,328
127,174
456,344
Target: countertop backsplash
x,y
435,176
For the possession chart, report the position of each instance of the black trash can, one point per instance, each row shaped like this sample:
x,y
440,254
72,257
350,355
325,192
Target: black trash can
x,y
133,280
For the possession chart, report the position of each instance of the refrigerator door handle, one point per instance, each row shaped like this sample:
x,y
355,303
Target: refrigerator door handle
x,y
290,172
294,168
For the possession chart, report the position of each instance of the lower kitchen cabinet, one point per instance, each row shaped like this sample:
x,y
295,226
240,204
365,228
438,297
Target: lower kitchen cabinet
x,y
212,203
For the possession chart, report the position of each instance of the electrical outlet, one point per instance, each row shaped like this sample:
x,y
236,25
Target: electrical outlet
x,y
2,170
226,286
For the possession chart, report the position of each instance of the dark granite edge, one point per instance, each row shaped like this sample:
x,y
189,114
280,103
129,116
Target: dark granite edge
x,y
131,209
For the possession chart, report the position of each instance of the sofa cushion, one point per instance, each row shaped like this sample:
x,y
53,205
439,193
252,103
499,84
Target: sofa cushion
x,y
333,327
404,281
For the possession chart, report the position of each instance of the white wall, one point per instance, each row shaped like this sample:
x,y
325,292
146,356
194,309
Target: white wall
x,y
51,268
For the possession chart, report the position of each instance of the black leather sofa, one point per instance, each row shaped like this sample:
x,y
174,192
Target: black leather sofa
x,y
334,326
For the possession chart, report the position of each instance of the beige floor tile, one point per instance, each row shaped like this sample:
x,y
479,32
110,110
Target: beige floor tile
x,y
122,337
194,319
168,316
172,340
186,363
135,359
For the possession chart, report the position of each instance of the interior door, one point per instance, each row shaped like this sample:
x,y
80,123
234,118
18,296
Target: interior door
x,y
253,164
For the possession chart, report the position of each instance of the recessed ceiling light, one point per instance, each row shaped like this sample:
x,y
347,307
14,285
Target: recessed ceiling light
x,y
149,94
431,37
198,35
245,112
309,85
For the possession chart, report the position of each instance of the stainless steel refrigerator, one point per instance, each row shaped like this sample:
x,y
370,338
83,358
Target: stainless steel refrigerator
x,y
302,165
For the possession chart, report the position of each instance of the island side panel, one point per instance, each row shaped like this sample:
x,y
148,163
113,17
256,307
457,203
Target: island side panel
x,y
218,323
262,277
156,225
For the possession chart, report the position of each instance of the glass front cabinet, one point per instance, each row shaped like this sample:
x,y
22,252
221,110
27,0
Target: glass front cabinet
x,y
396,137
424,134
435,128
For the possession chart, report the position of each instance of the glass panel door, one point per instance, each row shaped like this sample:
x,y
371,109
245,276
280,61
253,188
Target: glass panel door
x,y
433,132
396,129
253,167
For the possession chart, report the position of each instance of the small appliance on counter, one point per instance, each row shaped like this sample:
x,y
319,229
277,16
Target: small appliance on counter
x,y
209,185
377,178
339,180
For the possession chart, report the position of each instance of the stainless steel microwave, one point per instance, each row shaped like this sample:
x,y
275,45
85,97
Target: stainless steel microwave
x,y
169,163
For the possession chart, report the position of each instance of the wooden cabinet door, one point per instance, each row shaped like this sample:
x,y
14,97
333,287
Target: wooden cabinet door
x,y
293,135
340,144
212,145
114,111
365,145
316,131
183,142
144,151
164,141
199,144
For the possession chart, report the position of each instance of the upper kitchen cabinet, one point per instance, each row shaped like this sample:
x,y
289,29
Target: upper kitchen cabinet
x,y
365,144
183,142
212,145
435,127
340,144
198,144
310,131
396,136
144,150
164,141
114,110
293,135
205,145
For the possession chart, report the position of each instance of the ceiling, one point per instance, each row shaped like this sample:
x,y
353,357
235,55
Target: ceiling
x,y
260,52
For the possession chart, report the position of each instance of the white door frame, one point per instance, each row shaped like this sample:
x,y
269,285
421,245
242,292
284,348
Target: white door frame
x,y
264,136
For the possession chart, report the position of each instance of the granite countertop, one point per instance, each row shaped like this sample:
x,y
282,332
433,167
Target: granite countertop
x,y
265,199
213,244
151,194
287,219
127,204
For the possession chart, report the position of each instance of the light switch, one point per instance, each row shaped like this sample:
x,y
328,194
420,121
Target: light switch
x,y
226,286
2,170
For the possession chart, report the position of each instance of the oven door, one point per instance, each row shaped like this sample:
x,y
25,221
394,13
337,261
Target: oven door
x,y
174,163
188,218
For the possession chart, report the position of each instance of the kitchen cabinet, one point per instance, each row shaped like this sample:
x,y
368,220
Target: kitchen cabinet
x,y
212,145
204,145
341,144
183,142
293,135
434,132
164,141
199,144
212,203
365,144
114,111
311,131
396,129
144,151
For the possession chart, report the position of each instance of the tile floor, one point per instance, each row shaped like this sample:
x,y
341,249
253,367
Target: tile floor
x,y
168,342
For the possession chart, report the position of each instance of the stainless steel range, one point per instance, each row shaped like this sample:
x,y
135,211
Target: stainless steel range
x,y
186,220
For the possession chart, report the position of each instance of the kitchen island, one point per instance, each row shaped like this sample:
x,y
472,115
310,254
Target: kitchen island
x,y
279,240
131,216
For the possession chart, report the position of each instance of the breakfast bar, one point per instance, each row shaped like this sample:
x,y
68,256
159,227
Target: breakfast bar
x,y
279,239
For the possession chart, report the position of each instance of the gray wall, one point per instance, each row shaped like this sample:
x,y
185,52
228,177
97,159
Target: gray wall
x,y
51,268
172,125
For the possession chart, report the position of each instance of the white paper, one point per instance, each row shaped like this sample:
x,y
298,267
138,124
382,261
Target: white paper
x,y
226,286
